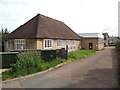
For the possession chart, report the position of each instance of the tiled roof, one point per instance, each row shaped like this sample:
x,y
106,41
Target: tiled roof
x,y
42,26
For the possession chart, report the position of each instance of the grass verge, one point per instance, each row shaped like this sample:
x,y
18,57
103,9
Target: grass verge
x,y
29,63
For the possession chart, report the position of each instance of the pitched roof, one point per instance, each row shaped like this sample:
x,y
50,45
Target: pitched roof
x,y
89,35
42,26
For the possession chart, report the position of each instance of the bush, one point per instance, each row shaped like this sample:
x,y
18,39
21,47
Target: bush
x,y
7,75
28,63
118,51
118,46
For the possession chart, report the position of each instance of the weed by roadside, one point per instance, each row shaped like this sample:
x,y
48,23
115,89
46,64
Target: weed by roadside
x,y
76,55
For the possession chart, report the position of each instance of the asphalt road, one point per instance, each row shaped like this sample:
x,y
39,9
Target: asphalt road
x,y
96,71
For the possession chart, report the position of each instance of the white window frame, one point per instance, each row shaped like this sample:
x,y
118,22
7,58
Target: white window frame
x,y
68,42
59,43
18,43
74,45
46,44
73,42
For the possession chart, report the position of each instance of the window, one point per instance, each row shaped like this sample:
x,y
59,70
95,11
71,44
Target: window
x,y
67,42
73,42
59,42
48,43
19,44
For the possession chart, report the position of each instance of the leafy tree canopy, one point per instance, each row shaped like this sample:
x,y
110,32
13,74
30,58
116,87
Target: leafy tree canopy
x,y
4,32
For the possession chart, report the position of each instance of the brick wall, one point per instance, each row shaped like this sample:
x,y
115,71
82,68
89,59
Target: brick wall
x,y
85,43
32,44
40,44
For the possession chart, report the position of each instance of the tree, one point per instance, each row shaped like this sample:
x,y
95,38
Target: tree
x,y
3,34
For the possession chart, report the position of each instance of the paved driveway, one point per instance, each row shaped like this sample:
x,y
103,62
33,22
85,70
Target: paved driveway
x,y
96,71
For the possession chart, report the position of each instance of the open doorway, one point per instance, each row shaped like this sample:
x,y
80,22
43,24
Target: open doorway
x,y
90,46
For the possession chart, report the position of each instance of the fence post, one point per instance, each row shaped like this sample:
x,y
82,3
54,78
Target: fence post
x,y
66,51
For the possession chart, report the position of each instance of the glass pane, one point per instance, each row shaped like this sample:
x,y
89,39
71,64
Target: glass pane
x,y
67,42
57,42
61,42
48,43
16,46
45,43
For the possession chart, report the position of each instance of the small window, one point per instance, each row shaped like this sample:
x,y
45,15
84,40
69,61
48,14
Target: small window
x,y
73,42
67,42
59,42
48,43
19,44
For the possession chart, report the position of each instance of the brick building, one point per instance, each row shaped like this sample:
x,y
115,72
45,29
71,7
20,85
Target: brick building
x,y
91,41
42,32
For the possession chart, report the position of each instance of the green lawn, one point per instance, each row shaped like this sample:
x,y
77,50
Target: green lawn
x,y
29,63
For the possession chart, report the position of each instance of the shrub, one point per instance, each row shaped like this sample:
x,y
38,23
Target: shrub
x,y
7,75
118,46
27,63
118,50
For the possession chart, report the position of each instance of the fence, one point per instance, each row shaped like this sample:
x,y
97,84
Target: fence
x,y
47,55
7,58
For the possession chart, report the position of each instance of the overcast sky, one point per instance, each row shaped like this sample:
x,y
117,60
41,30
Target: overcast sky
x,y
82,16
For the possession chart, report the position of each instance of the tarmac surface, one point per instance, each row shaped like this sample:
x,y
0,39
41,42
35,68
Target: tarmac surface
x,y
96,71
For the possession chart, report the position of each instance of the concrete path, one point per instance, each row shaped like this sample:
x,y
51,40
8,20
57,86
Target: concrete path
x,y
96,71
